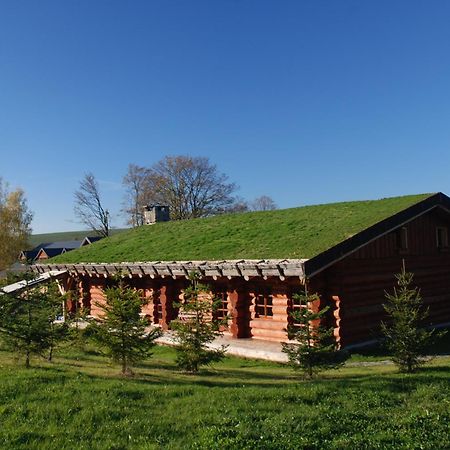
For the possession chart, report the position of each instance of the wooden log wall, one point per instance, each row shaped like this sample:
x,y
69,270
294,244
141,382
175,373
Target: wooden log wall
x,y
273,327
240,295
356,285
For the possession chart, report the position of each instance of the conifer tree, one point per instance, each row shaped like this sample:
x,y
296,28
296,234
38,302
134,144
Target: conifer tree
x,y
58,331
120,330
27,319
196,327
404,336
312,347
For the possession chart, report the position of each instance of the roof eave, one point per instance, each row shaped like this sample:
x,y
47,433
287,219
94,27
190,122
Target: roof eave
x,y
286,268
320,262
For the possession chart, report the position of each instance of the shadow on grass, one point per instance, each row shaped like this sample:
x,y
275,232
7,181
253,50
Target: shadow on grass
x,y
164,372
440,345
231,379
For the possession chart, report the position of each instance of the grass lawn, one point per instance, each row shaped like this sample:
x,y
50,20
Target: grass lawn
x,y
80,402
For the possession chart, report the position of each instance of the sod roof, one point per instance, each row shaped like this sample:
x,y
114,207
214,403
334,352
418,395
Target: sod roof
x,y
281,234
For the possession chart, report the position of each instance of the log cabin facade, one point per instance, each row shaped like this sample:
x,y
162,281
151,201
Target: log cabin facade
x,y
351,277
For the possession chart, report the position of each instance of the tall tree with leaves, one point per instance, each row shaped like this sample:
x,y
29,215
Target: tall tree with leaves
x,y
15,220
406,315
120,330
312,347
191,186
27,319
89,207
263,203
196,327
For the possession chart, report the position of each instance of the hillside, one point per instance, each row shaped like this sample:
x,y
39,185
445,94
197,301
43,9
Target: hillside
x,y
289,233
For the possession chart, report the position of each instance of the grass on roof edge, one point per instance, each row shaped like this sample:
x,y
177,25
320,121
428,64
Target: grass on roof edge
x,y
287,233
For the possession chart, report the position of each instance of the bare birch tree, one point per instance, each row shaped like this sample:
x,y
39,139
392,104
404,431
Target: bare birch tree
x,y
15,220
135,182
89,208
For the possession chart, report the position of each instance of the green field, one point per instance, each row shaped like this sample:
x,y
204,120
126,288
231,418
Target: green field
x,y
287,233
79,402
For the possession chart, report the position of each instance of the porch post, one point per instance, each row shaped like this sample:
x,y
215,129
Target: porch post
x,y
239,301
167,295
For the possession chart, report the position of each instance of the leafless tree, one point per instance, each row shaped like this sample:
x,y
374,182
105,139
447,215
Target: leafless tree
x,y
15,220
89,208
191,186
239,205
263,203
136,186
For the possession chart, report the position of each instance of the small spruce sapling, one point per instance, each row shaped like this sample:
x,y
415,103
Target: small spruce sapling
x,y
405,338
196,327
77,319
58,331
312,348
120,330
27,319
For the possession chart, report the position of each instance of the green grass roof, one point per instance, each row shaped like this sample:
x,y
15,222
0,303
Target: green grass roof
x,y
287,233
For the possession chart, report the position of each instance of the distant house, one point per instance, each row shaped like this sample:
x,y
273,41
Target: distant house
x,y
50,249
30,255
90,240
347,252
50,252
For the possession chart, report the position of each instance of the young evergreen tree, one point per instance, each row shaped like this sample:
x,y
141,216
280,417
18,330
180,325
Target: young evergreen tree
x,y
27,319
404,337
312,347
58,330
121,331
196,327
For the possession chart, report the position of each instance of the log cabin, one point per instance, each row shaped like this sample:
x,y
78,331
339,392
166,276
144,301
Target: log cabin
x,y
348,253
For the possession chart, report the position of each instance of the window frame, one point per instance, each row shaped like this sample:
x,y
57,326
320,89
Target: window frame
x,y
402,239
441,239
221,313
264,309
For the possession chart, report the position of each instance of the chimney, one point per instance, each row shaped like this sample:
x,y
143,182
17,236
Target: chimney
x,y
156,213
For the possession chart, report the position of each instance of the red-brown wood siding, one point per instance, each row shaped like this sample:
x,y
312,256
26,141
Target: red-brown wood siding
x,y
360,280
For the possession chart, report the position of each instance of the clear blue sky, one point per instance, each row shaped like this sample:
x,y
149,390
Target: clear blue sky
x,y
305,101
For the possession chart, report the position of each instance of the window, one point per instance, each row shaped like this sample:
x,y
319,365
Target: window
x,y
297,306
157,310
441,237
263,306
402,238
221,312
